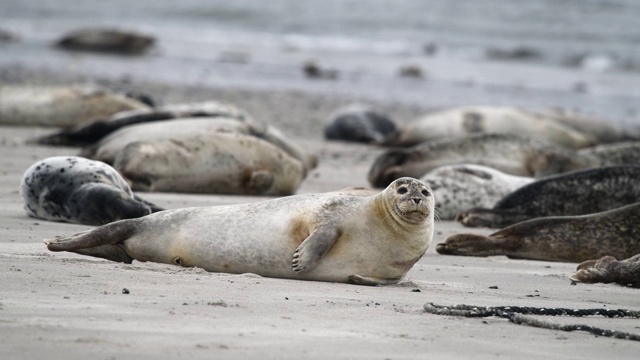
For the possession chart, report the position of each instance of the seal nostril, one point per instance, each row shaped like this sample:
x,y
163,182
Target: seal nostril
x,y
417,200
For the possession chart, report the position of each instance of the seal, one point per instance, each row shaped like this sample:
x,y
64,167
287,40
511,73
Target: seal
x,y
609,270
106,40
60,106
221,163
626,152
77,190
461,187
359,123
604,131
563,238
512,154
576,193
88,133
106,149
488,119
367,240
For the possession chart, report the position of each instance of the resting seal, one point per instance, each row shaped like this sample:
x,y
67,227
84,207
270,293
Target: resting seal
x,y
488,119
608,270
577,193
60,106
222,163
77,190
461,187
89,133
563,238
358,123
106,40
368,240
513,154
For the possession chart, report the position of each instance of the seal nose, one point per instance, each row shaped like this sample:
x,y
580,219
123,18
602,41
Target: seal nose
x,y
416,200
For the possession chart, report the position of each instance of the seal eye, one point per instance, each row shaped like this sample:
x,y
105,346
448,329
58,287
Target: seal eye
x,y
402,190
425,192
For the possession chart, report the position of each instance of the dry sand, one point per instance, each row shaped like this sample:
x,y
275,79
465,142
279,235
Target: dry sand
x,y
63,305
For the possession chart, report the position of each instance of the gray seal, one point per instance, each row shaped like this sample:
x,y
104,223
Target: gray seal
x,y
337,237
609,270
563,238
512,154
461,187
577,193
77,190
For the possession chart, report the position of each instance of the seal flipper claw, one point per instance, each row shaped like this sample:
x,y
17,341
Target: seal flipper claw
x,y
313,248
607,270
371,281
473,245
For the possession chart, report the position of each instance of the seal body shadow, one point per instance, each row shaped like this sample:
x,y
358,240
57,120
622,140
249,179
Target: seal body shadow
x,y
336,237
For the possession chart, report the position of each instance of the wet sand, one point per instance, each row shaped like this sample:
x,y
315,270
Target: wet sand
x,y
63,305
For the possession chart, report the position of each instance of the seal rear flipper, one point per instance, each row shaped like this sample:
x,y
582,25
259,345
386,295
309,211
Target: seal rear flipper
x,y
477,245
607,270
103,241
492,218
314,247
372,281
152,206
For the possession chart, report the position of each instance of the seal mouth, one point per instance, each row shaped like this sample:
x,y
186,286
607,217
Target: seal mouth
x,y
415,215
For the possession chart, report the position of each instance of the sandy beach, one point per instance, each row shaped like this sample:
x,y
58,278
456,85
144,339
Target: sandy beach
x,y
68,306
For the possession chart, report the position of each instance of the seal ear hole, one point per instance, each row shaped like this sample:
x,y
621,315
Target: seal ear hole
x,y
177,261
402,190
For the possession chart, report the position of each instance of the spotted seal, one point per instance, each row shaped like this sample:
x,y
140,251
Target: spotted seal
x,y
563,238
461,187
367,240
512,154
77,190
488,119
576,193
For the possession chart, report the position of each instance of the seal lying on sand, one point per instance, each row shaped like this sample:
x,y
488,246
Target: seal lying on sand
x,y
89,133
221,163
106,40
577,193
60,106
564,238
516,155
107,149
77,190
359,123
604,131
367,240
488,119
462,187
609,270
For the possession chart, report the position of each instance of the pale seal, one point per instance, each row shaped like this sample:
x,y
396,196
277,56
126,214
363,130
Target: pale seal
x,y
512,154
609,270
77,190
576,193
603,130
359,123
488,119
60,106
221,163
106,40
106,149
368,240
462,187
563,238
91,132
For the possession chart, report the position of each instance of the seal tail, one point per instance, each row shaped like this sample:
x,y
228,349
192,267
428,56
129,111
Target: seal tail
x,y
103,242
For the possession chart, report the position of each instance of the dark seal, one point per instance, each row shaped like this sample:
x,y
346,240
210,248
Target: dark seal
x,y
359,123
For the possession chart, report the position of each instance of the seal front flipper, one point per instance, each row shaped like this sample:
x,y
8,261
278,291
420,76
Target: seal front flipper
x,y
103,242
371,281
314,247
